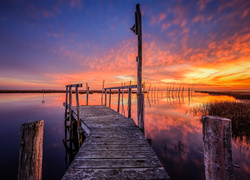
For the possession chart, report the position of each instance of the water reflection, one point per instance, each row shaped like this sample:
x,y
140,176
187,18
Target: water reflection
x,y
171,97
177,136
43,101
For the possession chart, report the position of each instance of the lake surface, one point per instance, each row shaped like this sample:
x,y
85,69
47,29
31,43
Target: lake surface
x,y
176,135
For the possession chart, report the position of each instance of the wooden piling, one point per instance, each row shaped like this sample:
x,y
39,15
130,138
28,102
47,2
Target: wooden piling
x,y
105,97
70,117
123,93
141,113
87,94
110,98
138,30
217,133
70,104
66,101
129,103
78,117
102,91
31,150
118,103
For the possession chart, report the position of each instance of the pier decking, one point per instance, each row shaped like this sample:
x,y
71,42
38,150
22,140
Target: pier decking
x,y
114,149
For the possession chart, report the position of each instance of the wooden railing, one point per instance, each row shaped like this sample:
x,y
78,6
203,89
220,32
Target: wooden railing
x,y
69,111
119,92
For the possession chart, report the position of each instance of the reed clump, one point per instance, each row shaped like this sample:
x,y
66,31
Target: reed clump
x,y
238,112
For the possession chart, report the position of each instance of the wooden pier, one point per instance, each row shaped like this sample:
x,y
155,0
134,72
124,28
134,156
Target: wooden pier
x,y
115,148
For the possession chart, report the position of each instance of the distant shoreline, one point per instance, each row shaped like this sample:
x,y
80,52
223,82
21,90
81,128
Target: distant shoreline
x,y
236,95
58,91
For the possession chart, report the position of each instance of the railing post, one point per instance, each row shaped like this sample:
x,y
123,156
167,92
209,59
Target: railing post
x,y
78,115
105,97
70,116
129,103
118,105
66,102
102,91
109,97
141,113
87,94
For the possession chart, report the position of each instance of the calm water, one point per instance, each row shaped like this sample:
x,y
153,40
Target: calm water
x,y
176,136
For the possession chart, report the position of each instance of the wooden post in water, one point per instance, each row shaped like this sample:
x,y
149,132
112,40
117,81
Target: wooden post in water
x,y
102,91
78,116
105,97
217,133
87,94
31,151
137,29
77,107
109,98
70,117
129,103
118,104
123,93
66,102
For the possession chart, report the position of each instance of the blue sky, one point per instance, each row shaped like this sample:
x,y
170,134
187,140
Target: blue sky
x,y
47,44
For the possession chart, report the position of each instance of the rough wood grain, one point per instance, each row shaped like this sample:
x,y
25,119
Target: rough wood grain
x,y
218,159
31,151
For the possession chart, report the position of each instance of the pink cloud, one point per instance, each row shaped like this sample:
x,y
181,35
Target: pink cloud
x,y
76,3
158,18
202,4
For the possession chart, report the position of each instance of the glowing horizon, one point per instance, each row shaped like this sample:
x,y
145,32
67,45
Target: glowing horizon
x,y
199,44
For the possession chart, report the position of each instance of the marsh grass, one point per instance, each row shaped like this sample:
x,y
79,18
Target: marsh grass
x,y
238,112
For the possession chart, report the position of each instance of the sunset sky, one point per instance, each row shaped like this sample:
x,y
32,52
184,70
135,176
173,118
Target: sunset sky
x,y
48,44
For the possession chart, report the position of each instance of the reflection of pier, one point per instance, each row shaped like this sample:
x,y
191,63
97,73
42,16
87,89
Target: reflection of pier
x,y
43,101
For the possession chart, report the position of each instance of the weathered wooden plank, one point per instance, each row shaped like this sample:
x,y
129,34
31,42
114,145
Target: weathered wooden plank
x,y
115,133
111,135
74,85
114,142
118,174
108,154
115,163
122,87
85,128
113,147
